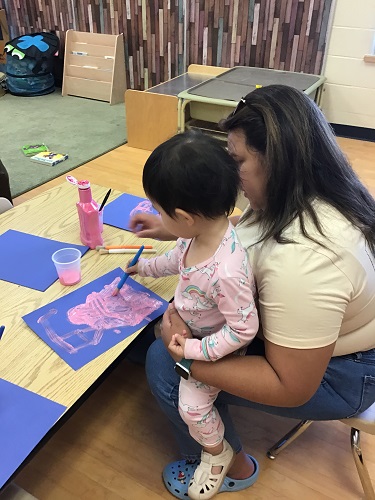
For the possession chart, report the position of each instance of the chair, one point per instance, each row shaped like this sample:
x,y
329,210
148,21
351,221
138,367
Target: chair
x,y
5,205
4,183
364,422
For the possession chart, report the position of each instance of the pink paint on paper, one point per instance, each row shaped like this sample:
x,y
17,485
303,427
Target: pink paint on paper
x,y
143,206
103,311
100,312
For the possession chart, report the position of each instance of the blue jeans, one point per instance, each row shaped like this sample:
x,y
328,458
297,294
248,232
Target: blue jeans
x,y
347,388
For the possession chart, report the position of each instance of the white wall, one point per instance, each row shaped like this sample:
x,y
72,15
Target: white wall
x,y
349,95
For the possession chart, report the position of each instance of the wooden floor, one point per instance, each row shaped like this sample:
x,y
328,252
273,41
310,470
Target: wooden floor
x,y
116,444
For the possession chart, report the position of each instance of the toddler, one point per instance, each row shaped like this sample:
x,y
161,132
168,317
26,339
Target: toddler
x,y
193,183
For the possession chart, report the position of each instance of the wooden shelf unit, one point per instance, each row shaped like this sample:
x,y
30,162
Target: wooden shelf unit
x,y
94,66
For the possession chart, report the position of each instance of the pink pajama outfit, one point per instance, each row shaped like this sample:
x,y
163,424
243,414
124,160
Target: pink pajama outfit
x,y
216,300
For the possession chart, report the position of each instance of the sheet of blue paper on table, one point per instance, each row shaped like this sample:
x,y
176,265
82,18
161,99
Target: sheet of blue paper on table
x,y
85,323
119,212
25,418
25,259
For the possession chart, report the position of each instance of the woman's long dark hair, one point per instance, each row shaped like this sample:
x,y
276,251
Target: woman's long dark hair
x,y
303,162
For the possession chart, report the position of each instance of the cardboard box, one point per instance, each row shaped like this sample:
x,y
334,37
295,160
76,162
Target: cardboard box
x,y
4,35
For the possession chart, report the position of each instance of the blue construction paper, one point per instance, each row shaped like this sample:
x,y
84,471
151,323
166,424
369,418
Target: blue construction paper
x,y
118,213
25,259
25,418
78,342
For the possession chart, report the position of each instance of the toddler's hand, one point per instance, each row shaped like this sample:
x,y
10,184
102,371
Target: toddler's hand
x,y
177,345
132,269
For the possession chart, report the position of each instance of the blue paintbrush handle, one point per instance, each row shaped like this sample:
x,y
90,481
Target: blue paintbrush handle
x,y
132,263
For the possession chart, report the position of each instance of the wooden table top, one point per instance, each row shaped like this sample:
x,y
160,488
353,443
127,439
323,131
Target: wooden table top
x,y
25,359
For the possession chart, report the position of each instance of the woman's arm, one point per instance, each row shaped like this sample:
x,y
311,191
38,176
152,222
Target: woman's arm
x,y
284,377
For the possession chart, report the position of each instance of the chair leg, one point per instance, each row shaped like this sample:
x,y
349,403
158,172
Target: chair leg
x,y
360,464
288,438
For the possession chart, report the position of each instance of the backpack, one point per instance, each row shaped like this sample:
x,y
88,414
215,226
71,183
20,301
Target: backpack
x,y
30,62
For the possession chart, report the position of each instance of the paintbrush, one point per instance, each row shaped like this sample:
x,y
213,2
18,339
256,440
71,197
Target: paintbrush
x,y
105,200
133,247
126,275
103,251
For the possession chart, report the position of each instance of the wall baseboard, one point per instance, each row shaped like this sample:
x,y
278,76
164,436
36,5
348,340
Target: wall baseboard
x,y
351,132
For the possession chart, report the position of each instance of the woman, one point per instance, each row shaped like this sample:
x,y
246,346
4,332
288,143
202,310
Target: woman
x,y
310,237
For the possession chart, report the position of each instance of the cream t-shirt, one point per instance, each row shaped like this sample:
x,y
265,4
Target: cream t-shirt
x,y
311,296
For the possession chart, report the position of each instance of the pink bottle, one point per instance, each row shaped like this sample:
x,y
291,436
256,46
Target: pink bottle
x,y
89,218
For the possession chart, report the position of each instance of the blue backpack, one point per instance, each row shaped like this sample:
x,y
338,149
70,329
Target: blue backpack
x,y
29,66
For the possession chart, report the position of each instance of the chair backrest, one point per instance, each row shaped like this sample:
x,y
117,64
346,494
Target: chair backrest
x,y
5,205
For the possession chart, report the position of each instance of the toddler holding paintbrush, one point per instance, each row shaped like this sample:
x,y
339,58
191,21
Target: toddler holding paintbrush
x,y
193,182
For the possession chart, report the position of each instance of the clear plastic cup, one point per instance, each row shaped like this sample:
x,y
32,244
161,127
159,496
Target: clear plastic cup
x,y
68,265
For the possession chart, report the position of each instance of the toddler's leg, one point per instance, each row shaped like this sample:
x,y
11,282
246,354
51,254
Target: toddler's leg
x,y
196,406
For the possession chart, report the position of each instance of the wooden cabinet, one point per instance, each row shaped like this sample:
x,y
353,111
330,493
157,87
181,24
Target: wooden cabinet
x,y
153,115
94,66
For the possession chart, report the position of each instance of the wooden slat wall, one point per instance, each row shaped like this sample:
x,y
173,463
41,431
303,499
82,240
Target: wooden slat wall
x,y
162,39
280,34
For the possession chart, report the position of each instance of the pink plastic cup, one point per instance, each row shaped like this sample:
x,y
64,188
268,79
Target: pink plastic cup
x,y
68,265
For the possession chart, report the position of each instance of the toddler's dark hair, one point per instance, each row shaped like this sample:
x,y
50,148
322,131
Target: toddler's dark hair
x,y
194,172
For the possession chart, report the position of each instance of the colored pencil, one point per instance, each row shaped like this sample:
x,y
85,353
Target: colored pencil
x,y
126,275
103,251
105,200
2,328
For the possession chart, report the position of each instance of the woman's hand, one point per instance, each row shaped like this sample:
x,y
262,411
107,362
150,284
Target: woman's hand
x,y
149,226
172,323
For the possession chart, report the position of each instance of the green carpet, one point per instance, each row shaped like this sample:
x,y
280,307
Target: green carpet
x,y
82,128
